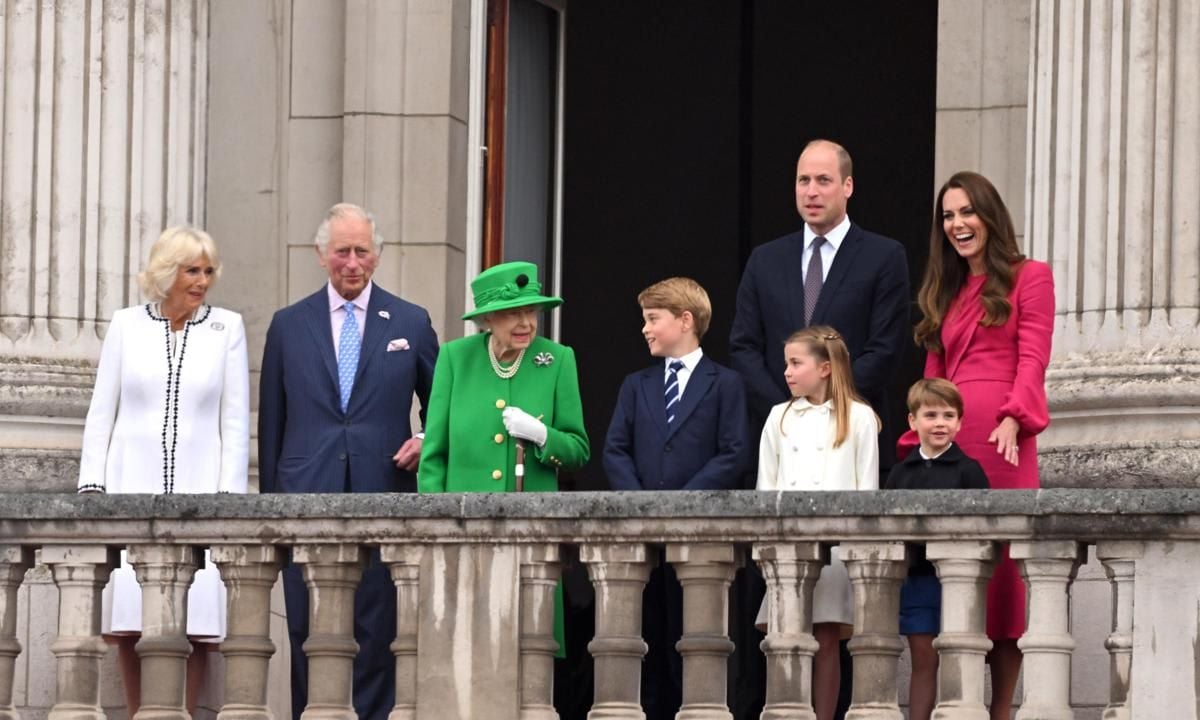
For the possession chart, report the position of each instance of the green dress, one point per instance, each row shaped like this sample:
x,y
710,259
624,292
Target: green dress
x,y
466,448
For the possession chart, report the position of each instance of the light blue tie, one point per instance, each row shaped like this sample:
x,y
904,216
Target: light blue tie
x,y
671,394
349,343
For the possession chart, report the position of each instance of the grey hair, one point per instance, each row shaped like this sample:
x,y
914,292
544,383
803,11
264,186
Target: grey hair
x,y
342,211
175,248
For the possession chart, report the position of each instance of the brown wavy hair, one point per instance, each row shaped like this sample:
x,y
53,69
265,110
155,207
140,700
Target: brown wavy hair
x,y
826,345
946,272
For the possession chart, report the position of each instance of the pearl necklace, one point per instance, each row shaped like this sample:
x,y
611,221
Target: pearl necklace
x,y
504,374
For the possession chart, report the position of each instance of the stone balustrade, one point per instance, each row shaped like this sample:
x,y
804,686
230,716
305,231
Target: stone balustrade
x,y
706,535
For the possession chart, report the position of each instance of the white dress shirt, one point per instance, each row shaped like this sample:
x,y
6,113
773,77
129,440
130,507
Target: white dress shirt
x,y
337,312
690,361
833,240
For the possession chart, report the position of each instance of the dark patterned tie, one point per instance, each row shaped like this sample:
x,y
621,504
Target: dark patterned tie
x,y
813,280
671,394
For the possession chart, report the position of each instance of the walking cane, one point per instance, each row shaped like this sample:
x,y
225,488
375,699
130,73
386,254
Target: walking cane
x,y
519,474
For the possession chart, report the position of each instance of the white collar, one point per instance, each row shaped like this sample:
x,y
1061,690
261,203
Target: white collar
x,y
934,457
337,302
690,361
801,404
834,237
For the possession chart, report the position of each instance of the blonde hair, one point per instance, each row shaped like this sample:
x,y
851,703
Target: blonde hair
x,y
934,392
176,247
678,294
826,345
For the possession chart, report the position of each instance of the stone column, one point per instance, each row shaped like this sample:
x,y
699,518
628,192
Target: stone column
x,y
80,572
165,573
791,570
14,561
540,571
249,572
619,573
1120,562
332,573
964,568
876,571
404,561
103,145
705,572
1113,174
1048,567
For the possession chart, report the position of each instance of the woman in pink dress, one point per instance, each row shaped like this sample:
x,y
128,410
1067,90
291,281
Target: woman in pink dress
x,y
989,317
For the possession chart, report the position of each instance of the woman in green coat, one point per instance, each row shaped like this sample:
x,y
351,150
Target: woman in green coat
x,y
499,388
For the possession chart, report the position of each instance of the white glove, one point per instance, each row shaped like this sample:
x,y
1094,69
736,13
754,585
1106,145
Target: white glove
x,y
521,424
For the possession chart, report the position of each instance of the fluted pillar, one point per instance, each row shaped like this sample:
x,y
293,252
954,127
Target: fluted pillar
x,y
165,573
1113,174
705,571
1049,567
790,570
80,572
540,571
14,561
249,572
619,573
332,573
404,562
1120,562
876,570
964,568
103,145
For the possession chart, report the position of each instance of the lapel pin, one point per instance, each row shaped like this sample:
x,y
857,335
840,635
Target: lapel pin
x,y
543,359
385,315
218,326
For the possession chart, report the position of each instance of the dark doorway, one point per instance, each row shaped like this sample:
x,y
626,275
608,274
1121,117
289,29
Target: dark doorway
x,y
683,122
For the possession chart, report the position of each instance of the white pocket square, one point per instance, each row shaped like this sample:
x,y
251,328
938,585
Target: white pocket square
x,y
397,344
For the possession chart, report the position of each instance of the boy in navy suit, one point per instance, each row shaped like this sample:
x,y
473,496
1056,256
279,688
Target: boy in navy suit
x,y
935,410
678,425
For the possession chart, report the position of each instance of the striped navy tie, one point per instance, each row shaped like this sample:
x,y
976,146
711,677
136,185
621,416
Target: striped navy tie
x,y
671,394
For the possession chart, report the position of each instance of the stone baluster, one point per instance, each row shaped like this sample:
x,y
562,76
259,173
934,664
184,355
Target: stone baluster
x,y
1120,559
165,573
876,570
964,568
249,572
404,562
14,561
1048,567
705,572
619,573
540,571
80,572
332,573
791,570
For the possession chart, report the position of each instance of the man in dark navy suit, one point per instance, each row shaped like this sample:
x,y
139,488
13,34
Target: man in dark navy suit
x,y
831,272
339,372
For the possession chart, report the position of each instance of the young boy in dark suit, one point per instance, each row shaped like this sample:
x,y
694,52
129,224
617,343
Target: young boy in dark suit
x,y
935,410
678,425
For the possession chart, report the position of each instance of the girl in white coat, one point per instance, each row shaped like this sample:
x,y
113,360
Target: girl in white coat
x,y
825,438
170,413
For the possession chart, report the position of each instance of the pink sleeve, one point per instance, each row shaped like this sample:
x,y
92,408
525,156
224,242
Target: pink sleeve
x,y
1033,305
935,367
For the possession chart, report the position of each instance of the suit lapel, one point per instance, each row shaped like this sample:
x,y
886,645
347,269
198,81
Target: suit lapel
x,y
697,386
378,322
317,314
793,271
842,262
652,389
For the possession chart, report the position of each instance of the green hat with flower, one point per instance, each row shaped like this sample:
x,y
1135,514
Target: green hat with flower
x,y
507,286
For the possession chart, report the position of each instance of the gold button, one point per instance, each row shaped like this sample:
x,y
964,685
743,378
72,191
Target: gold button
x,y
500,404
496,474
499,438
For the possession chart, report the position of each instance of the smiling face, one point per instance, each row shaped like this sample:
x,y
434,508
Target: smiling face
x,y
805,374
192,281
964,229
667,334
350,256
821,191
512,330
936,426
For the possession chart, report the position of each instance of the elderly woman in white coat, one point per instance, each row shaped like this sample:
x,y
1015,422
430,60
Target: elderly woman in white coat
x,y
170,413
